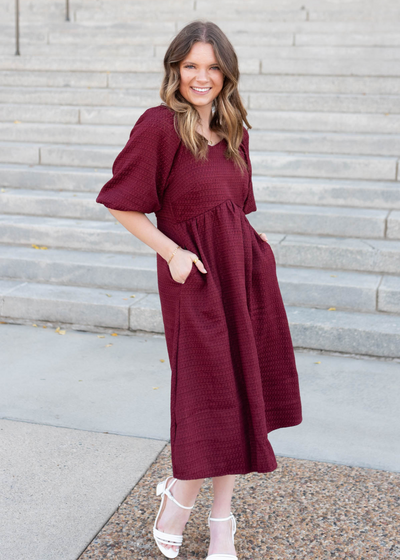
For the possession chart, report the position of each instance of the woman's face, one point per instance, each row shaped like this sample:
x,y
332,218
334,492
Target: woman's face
x,y
201,77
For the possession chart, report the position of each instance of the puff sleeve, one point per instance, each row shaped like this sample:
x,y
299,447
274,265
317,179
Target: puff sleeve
x,y
250,203
141,169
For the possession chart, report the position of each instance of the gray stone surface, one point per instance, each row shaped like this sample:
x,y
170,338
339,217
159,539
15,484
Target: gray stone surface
x,y
329,288
393,225
76,381
88,269
321,220
82,421
60,485
389,294
324,166
327,192
341,331
369,255
70,304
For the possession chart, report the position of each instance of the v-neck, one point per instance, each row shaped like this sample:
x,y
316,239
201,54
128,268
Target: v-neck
x,y
213,145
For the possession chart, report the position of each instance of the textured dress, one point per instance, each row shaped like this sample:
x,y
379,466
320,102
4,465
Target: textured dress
x,y
233,369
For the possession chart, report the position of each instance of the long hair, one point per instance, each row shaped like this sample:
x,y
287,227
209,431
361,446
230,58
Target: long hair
x,y
228,112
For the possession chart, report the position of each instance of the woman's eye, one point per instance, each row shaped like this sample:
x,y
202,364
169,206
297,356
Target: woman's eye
x,y
191,66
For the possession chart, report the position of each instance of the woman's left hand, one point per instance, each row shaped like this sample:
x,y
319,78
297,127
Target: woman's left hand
x,y
263,236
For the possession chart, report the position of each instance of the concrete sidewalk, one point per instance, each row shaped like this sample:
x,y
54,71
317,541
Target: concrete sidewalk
x,y
84,415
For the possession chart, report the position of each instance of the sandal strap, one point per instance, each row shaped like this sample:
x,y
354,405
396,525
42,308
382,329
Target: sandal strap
x,y
221,518
231,516
219,556
171,497
167,538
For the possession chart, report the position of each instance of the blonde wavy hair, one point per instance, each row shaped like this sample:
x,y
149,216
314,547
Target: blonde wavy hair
x,y
228,112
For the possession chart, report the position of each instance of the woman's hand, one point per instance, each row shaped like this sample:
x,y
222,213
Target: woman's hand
x,y
263,236
181,264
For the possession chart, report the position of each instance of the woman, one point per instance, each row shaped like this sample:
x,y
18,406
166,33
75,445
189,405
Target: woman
x,y
233,371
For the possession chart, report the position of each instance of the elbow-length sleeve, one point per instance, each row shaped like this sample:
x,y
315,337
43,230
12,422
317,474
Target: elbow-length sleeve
x,y
141,169
249,203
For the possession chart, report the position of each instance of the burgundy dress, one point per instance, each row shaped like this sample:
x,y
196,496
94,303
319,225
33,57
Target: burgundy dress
x,y
234,376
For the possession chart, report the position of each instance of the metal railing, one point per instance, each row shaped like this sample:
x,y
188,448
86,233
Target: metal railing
x,y
17,51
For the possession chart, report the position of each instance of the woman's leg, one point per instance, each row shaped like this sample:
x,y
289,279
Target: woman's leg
x,y
174,518
221,531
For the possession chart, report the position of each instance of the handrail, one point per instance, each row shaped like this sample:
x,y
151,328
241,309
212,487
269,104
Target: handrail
x,y
17,51
17,26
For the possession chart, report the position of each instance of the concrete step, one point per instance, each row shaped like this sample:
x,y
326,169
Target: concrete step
x,y
315,121
44,177
268,189
330,67
261,120
339,143
60,204
297,103
272,21
249,82
80,96
297,218
285,190
284,143
363,255
66,233
326,192
370,334
297,84
243,51
273,163
323,166
315,103
251,65
353,291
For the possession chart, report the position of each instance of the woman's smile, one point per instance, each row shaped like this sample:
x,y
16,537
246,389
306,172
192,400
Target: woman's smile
x,y
199,90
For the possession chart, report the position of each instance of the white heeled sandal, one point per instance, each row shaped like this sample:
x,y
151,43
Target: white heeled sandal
x,y
166,538
223,556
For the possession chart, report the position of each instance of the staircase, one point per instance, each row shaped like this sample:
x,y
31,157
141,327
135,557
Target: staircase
x,y
321,82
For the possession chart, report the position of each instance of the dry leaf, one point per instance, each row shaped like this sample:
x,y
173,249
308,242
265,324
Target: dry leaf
x,y
114,334
44,326
108,295
332,309
34,325
333,275
107,345
17,122
317,362
132,296
161,360
155,387
125,298
101,336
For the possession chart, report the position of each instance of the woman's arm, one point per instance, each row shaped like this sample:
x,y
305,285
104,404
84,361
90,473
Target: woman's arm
x,y
141,227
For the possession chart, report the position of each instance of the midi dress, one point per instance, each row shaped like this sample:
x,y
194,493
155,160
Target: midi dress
x,y
233,369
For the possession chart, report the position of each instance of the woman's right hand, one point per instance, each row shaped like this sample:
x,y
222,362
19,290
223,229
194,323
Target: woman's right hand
x,y
181,264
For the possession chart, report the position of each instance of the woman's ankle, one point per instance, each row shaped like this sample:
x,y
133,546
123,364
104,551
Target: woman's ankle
x,y
186,492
